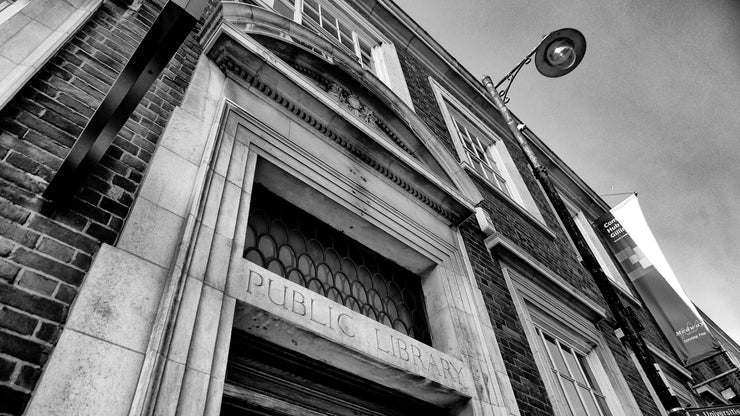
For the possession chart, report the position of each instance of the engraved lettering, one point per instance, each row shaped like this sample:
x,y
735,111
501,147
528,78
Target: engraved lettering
x,y
402,351
269,293
416,353
446,367
345,328
249,280
299,303
311,316
432,364
459,372
377,341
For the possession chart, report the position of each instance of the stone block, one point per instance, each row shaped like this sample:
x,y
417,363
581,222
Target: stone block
x,y
202,252
152,233
185,136
215,397
238,163
218,262
6,67
203,342
213,200
193,394
222,159
169,392
54,14
30,37
119,300
170,181
228,210
180,345
12,26
87,377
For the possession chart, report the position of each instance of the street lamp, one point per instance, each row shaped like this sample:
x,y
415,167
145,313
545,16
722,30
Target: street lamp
x,y
556,55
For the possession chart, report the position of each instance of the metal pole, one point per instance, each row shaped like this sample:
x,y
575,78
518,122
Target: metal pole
x,y
621,315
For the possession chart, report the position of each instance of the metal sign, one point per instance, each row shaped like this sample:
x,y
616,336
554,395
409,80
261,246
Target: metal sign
x,y
732,410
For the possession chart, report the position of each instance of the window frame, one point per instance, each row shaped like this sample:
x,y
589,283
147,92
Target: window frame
x,y
486,156
379,58
322,10
538,308
584,359
518,193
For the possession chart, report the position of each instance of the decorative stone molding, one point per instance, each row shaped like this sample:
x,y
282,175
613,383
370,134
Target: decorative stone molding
x,y
339,93
224,59
268,28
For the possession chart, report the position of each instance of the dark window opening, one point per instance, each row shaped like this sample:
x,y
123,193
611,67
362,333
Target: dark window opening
x,y
292,243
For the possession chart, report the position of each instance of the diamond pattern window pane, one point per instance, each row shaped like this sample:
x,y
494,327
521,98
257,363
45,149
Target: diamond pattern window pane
x,y
306,251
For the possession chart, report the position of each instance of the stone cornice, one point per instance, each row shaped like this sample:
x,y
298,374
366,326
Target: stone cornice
x,y
224,58
415,139
498,241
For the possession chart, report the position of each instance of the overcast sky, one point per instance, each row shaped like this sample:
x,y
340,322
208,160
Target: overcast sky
x,y
654,107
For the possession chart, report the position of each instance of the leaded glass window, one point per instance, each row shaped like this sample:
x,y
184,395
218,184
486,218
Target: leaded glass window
x,y
294,244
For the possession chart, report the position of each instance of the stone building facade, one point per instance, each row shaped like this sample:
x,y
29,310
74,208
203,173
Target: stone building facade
x,y
314,210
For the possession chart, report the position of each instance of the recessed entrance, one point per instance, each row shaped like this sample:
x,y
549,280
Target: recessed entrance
x,y
265,379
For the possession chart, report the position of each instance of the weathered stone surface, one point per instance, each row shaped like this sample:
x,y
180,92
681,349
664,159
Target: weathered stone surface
x,y
293,316
119,299
81,384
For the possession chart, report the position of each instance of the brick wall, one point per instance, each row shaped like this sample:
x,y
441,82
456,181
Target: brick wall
x,y
425,104
555,253
525,379
44,256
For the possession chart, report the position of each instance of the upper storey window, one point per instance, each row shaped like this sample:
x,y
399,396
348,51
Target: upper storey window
x,y
329,21
479,149
482,153
349,32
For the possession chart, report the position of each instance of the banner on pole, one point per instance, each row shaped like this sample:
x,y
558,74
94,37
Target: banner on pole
x,y
633,244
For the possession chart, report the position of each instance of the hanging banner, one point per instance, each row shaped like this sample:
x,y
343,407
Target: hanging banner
x,y
633,244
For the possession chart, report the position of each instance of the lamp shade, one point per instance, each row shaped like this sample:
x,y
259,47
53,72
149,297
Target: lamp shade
x,y
560,52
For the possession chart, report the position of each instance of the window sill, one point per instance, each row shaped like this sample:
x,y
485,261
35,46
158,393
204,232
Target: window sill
x,y
632,298
509,200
